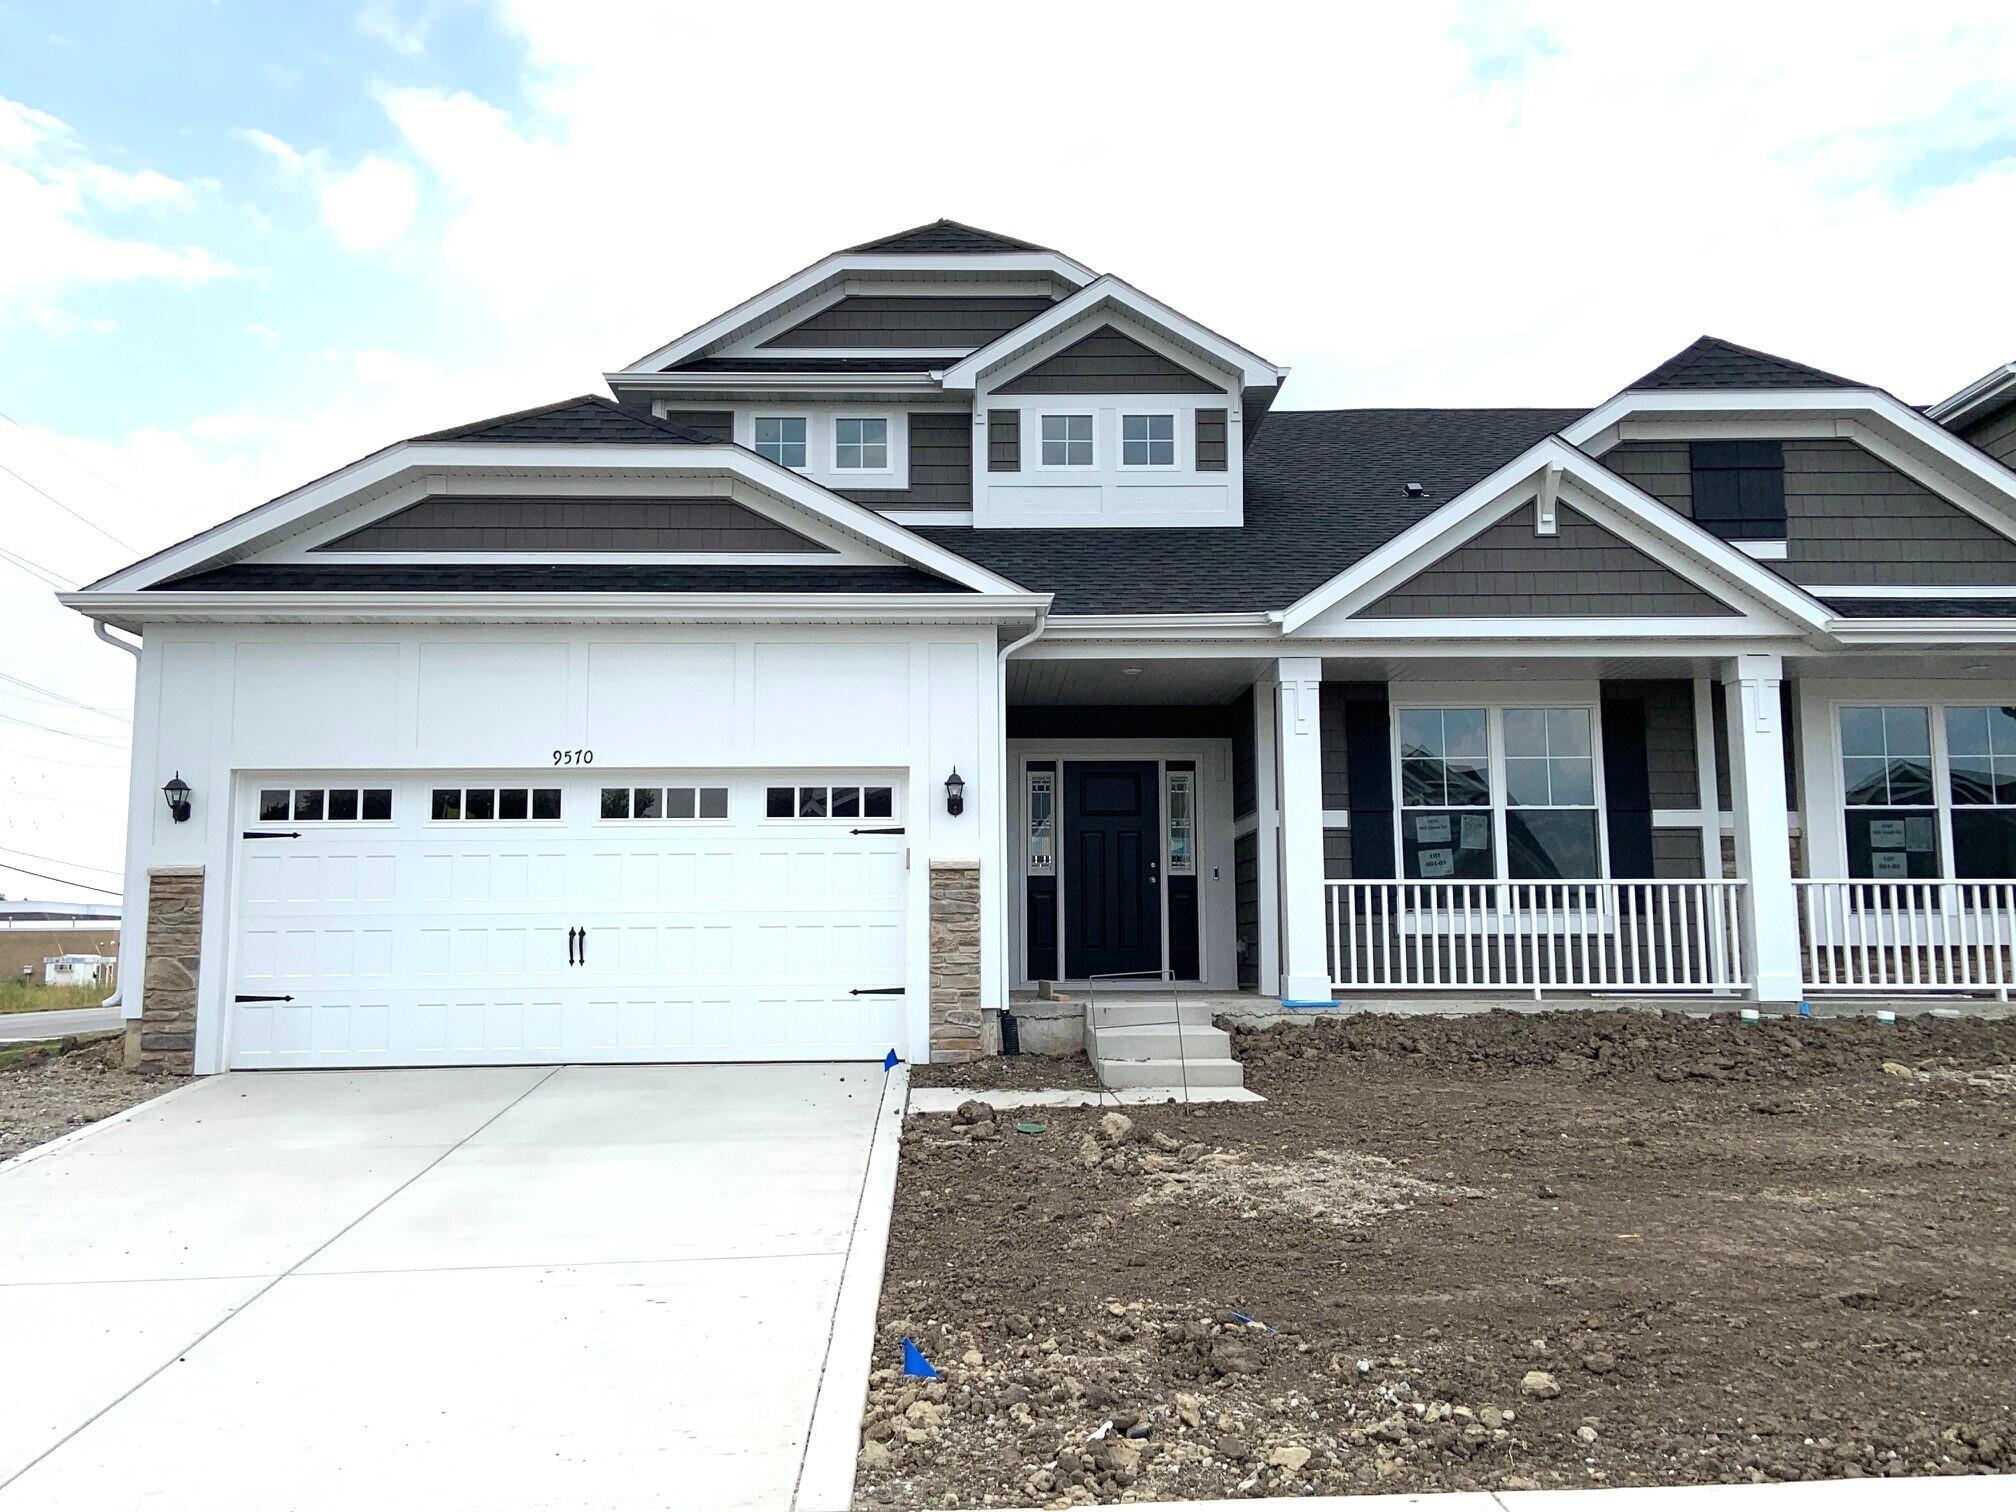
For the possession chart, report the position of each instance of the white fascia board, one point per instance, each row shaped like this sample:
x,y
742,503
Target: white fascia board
x,y
730,322
1989,388
1063,627
1443,531
134,610
923,381
1608,628
1254,371
1865,631
238,535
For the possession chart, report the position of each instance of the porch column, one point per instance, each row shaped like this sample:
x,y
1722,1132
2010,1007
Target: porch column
x,y
1267,839
1305,966
1763,825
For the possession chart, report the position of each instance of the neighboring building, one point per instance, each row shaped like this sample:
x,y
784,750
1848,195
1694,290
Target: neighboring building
x,y
629,730
31,932
76,970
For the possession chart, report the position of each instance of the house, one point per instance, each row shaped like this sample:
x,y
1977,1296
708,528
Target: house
x,y
32,931
950,618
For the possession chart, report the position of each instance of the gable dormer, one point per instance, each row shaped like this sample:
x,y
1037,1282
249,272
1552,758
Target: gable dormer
x,y
951,375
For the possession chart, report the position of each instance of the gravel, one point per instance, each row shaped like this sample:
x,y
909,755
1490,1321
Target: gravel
x,y
48,1093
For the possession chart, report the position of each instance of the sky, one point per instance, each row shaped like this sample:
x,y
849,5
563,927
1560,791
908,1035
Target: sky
x,y
242,244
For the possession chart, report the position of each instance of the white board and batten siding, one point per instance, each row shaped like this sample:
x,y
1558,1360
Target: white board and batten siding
x,y
422,941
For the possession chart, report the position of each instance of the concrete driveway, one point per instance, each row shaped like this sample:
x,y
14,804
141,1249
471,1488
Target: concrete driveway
x,y
608,1287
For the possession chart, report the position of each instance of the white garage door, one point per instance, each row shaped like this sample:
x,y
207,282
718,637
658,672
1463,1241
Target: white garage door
x,y
449,920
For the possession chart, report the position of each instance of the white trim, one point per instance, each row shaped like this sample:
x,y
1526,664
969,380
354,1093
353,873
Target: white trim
x,y
1762,551
1106,290
1983,393
887,469
1091,419
237,537
1175,462
1619,506
733,322
1336,819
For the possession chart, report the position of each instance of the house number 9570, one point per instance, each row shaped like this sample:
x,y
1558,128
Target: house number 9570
x,y
573,758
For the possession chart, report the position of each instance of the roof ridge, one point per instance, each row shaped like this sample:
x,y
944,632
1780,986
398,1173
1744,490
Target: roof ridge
x,y
944,222
1679,370
470,430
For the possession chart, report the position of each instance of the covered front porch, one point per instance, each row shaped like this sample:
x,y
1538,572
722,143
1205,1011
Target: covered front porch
x,y
1513,824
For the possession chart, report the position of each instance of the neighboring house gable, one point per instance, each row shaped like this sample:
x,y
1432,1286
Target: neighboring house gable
x,y
1851,519
1510,571
1109,361
458,522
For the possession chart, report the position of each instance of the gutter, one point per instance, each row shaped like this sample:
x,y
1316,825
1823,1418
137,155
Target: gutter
x,y
118,998
1001,766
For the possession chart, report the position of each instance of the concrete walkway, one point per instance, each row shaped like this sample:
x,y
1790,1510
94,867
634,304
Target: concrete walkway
x,y
497,1288
18,1027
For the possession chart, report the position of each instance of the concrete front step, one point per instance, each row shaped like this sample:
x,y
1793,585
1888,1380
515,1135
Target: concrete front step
x,y
1119,1012
1171,1074
1162,1042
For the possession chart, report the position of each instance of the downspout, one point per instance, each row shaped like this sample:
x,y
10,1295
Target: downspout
x,y
1001,766
118,998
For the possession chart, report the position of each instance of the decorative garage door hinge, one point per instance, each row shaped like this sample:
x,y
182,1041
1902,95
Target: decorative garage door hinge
x,y
272,834
892,830
875,992
262,997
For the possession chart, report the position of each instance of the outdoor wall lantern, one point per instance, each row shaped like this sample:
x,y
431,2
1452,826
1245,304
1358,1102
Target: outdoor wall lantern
x,y
176,791
955,794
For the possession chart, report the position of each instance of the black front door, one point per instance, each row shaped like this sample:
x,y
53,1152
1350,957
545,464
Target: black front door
x,y
1112,868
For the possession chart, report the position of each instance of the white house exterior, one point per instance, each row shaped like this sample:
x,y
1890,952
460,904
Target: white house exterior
x,y
626,730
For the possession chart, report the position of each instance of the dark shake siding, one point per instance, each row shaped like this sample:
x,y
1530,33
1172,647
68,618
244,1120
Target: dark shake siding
x,y
1995,434
1109,362
912,321
1676,853
1211,452
941,466
1246,907
483,523
1850,518
1509,571
1669,743
715,425
1004,441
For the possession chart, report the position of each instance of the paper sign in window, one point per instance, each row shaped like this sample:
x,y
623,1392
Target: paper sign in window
x,y
1431,829
1889,864
1886,834
1476,832
1438,863
1918,834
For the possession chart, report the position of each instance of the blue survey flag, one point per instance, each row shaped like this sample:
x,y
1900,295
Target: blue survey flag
x,y
914,1363
891,1061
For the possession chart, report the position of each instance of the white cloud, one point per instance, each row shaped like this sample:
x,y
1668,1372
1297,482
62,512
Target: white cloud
x,y
380,22
49,190
371,205
280,152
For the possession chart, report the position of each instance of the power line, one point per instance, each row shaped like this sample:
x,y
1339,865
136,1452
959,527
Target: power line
x,y
61,881
116,745
48,575
110,871
64,761
95,808
74,462
22,682
74,514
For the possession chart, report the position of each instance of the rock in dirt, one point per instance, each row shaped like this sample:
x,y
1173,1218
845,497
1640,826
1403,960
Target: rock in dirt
x,y
1539,1384
1116,1127
972,1111
1289,1457
1898,1068
1189,1410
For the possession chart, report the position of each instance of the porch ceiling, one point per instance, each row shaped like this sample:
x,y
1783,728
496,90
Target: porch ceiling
x,y
1148,680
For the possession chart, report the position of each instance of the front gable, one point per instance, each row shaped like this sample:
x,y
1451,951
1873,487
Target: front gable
x,y
1510,570
471,523
1109,361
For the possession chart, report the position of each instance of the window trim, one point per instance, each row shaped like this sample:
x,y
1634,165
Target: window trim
x,y
888,446
757,417
696,786
1067,467
258,791
798,787
1494,771
1175,462
464,788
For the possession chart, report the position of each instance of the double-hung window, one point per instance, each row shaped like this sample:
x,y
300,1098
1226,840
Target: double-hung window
x,y
1067,441
781,438
1886,787
1981,781
1499,794
1147,440
861,445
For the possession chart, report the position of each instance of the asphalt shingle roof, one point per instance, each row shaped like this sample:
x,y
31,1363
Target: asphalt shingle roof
x,y
946,236
1323,488
1712,363
811,365
1925,608
559,577
585,418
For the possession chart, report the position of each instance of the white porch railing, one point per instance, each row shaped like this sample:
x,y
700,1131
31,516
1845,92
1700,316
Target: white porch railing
x,y
1615,936
1891,937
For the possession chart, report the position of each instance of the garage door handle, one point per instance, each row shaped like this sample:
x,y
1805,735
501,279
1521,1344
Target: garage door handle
x,y
260,997
571,936
894,830
875,992
584,946
272,834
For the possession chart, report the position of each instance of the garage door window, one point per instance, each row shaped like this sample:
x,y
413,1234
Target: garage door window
x,y
665,803
495,803
822,802
311,805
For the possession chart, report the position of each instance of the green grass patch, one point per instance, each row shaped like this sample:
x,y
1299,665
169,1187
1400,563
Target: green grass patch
x,y
27,997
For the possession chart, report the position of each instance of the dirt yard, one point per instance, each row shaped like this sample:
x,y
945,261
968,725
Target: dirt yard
x,y
1490,1252
45,1092
1069,1073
